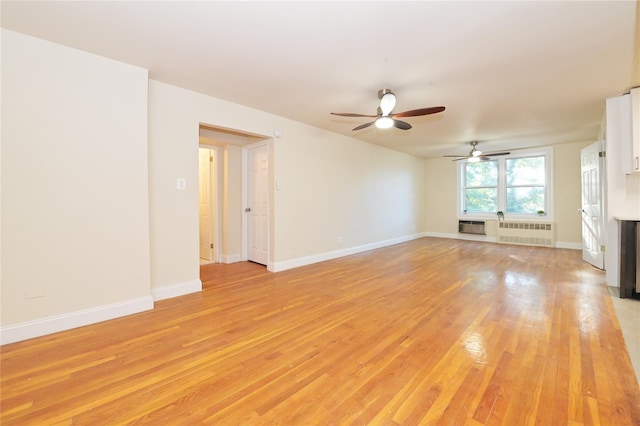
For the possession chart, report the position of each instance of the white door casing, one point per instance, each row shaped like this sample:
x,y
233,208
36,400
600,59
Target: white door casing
x,y
257,206
206,204
592,165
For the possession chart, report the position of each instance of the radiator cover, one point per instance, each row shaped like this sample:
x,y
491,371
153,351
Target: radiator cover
x,y
526,233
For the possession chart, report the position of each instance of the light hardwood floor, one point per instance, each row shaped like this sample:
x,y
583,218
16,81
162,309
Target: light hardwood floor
x,y
432,331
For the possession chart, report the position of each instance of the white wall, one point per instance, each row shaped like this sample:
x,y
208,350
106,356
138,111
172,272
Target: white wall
x,y
75,227
233,210
441,216
337,193
568,193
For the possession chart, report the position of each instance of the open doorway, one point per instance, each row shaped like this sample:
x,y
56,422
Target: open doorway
x,y
231,222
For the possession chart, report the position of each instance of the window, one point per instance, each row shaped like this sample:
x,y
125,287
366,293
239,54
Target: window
x,y
481,187
525,185
517,184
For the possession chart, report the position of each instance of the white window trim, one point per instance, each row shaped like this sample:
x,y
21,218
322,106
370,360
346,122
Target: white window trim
x,y
549,184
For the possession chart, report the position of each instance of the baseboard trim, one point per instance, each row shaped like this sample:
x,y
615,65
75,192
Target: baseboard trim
x,y
175,290
56,323
321,257
466,237
484,238
566,245
232,258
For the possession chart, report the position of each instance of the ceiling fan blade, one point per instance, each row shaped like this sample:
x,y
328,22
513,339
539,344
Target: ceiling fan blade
x,y
417,112
363,126
350,114
402,125
493,154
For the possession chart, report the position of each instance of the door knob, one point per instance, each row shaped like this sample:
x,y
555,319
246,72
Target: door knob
x,y
248,209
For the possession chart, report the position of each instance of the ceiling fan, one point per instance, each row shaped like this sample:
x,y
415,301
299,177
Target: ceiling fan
x,y
476,155
385,118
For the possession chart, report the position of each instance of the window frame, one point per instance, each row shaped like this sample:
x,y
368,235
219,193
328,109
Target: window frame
x,y
547,152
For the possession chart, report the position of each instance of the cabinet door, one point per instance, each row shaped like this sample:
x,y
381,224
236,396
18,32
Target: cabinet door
x,y
635,131
618,130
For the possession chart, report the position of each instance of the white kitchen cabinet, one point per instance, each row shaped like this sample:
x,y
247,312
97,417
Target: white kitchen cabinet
x,y
634,140
623,129
618,132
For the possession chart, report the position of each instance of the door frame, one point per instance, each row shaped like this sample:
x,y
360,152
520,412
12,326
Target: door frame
x,y
245,199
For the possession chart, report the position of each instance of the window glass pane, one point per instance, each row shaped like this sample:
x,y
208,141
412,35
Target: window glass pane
x,y
481,200
484,173
527,200
526,171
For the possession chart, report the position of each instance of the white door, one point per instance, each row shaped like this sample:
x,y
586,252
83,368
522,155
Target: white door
x,y
257,210
206,205
592,161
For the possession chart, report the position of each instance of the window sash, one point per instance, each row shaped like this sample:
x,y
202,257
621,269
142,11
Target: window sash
x,y
502,188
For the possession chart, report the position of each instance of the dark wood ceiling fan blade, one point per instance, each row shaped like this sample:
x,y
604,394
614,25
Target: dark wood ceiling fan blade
x,y
351,114
402,125
494,154
417,112
363,126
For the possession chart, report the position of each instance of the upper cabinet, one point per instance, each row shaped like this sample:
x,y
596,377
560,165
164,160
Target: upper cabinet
x,y
623,129
634,140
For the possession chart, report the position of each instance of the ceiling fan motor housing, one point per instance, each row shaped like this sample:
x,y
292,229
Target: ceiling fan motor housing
x,y
383,92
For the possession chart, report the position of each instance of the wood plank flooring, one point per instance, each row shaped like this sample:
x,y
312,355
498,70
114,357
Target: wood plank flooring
x,y
432,331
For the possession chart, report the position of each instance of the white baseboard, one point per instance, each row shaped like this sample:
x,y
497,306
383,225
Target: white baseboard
x,y
56,323
565,245
231,258
321,257
471,237
175,290
441,235
466,237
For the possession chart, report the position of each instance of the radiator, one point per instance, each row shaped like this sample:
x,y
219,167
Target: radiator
x,y
526,233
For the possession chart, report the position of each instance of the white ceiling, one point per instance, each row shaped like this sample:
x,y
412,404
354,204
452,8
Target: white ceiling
x,y
512,74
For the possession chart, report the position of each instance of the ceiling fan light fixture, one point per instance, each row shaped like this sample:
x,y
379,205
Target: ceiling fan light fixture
x,y
384,122
473,159
476,153
387,103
